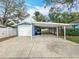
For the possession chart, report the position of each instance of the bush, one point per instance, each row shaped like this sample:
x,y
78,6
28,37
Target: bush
x,y
72,32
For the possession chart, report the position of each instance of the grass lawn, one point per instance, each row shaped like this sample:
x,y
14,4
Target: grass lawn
x,y
73,39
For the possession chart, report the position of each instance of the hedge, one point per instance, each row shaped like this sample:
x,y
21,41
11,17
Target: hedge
x,y
72,32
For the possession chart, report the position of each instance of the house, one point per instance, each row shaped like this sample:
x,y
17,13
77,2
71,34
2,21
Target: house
x,y
25,28
77,23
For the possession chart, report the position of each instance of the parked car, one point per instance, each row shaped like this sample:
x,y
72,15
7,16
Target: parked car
x,y
37,31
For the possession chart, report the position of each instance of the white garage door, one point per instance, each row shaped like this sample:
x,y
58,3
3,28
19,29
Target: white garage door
x,y
24,30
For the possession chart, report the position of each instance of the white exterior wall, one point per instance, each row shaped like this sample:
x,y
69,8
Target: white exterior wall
x,y
25,30
7,32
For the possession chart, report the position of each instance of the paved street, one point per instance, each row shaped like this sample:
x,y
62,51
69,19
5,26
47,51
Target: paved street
x,y
39,47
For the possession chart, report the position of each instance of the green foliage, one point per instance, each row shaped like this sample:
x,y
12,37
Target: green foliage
x,y
72,32
9,25
59,1
55,17
37,13
69,3
73,39
39,17
63,17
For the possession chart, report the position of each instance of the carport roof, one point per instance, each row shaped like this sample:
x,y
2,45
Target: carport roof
x,y
50,24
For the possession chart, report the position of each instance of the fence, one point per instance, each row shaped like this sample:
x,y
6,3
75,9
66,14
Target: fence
x,y
7,32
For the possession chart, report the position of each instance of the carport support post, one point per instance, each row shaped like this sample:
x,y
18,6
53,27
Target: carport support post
x,y
57,31
31,37
65,32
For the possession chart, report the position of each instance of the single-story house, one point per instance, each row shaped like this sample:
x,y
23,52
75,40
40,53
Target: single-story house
x,y
77,23
27,27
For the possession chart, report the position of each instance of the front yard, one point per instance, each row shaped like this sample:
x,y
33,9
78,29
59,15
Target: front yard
x,y
73,35
73,39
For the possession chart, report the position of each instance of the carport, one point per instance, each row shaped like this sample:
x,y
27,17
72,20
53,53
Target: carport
x,y
53,25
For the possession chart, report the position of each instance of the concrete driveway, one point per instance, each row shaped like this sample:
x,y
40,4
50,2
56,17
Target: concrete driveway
x,y
40,47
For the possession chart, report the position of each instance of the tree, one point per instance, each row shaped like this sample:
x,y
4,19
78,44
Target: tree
x,y
69,4
54,15
10,9
47,2
37,14
39,17
63,17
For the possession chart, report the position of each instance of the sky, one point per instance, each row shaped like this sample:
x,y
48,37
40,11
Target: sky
x,y
36,5
35,2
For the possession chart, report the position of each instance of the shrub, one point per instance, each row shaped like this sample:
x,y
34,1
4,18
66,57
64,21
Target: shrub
x,y
72,32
